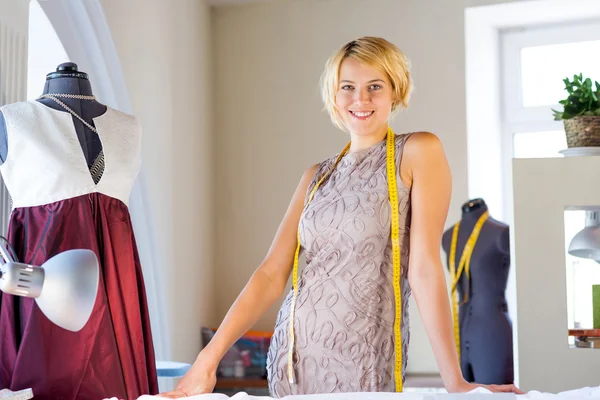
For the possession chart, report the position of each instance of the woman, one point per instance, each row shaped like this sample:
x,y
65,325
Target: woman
x,y
346,326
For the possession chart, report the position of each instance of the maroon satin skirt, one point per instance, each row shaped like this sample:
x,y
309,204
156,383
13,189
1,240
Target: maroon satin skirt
x,y
113,355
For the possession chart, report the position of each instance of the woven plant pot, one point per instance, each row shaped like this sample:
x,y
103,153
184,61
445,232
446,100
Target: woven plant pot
x,y
583,131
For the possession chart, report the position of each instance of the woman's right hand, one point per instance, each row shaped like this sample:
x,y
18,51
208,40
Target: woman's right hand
x,y
201,378
264,288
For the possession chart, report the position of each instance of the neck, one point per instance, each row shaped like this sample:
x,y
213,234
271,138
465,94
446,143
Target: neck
x,y
68,85
360,142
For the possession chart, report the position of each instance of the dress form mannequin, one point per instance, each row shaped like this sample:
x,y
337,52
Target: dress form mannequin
x,y
62,200
68,80
485,328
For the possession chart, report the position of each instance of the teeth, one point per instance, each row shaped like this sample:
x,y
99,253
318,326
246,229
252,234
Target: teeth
x,y
362,114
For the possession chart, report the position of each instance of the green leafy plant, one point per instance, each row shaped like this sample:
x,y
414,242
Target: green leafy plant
x,y
582,99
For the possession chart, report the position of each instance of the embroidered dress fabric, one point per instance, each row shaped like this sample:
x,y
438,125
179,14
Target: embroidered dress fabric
x,y
345,310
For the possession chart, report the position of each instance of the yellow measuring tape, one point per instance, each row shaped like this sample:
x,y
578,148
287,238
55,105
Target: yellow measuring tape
x,y
395,238
464,264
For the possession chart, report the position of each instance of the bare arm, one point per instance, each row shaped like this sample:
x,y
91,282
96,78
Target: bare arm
x,y
266,284
425,166
430,198
262,290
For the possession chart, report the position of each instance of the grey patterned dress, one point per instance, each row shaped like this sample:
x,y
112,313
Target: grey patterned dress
x,y
344,321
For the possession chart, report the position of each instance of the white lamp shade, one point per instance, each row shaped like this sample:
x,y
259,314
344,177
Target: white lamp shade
x,y
69,289
586,243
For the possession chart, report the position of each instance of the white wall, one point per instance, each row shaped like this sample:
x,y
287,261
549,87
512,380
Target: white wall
x,y
165,55
270,127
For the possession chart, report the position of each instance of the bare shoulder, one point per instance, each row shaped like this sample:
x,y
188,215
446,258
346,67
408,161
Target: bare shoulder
x,y
309,174
277,263
307,178
423,145
310,171
422,151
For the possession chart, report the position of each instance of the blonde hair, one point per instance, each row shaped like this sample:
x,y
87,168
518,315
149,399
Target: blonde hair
x,y
375,52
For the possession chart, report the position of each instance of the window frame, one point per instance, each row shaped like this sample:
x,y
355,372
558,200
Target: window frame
x,y
513,41
514,116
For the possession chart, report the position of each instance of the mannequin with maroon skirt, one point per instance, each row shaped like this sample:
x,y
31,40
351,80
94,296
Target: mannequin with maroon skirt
x,y
69,163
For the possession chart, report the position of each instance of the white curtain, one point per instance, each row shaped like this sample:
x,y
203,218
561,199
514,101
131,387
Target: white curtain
x,y
84,32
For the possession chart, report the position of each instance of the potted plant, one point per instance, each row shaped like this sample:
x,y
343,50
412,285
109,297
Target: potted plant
x,y
581,113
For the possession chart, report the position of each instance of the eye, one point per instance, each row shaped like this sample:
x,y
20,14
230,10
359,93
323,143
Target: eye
x,y
375,87
347,87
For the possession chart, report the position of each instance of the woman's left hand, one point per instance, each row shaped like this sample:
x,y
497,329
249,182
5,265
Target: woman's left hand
x,y
467,387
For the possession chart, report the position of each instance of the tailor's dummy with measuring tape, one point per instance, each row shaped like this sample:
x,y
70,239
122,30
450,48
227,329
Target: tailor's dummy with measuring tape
x,y
69,163
478,252
369,220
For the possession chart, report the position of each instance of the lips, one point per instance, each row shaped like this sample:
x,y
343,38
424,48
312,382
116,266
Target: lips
x,y
362,115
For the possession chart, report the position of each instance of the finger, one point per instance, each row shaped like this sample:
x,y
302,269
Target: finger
x,y
517,390
509,389
496,388
176,394
512,388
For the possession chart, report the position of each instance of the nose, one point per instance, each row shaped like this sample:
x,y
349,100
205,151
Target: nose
x,y
362,96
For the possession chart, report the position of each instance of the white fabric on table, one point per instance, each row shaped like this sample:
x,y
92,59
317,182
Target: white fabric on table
x,y
583,393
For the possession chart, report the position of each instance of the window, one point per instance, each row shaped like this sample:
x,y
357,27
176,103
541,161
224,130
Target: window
x,y
45,50
538,144
543,68
534,63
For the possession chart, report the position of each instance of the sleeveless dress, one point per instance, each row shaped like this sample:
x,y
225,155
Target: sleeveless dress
x,y
57,207
344,317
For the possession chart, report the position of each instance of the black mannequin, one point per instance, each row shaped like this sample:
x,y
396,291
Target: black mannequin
x,y
68,80
485,327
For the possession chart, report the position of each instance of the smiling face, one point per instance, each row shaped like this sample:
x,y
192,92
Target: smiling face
x,y
363,83
364,98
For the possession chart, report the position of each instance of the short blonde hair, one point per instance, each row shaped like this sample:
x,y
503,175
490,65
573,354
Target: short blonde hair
x,y
375,52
